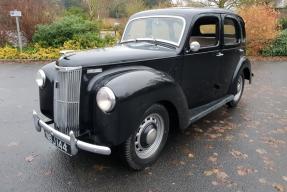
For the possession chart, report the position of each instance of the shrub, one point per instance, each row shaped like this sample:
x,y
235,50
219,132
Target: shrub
x,y
283,23
76,11
261,26
55,34
35,53
93,40
278,47
3,39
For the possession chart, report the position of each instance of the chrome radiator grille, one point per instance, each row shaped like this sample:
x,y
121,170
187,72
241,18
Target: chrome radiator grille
x,y
67,89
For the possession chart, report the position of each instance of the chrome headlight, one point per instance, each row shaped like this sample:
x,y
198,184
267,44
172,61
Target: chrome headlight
x,y
41,78
106,99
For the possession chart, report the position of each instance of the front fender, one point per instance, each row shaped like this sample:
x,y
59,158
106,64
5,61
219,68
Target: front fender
x,y
47,92
136,89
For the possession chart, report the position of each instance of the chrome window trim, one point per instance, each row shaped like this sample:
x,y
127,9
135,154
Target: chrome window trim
x,y
158,16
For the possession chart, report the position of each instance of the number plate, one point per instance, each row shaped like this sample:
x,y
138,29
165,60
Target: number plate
x,y
61,145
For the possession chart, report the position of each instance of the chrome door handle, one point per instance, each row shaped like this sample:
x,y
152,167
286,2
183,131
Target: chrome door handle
x,y
219,54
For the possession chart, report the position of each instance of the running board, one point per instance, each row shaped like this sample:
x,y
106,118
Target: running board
x,y
199,112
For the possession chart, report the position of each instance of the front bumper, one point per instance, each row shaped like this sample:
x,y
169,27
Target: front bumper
x,y
71,139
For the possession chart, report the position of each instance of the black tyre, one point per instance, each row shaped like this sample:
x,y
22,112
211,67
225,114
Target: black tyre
x,y
143,147
240,88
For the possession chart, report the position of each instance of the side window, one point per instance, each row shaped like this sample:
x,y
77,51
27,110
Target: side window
x,y
205,31
231,31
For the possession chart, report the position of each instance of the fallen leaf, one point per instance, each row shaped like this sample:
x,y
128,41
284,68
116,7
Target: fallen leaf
x,y
273,142
219,129
190,155
182,162
238,155
209,172
268,162
189,173
207,121
214,136
13,144
30,158
278,187
242,171
198,130
187,151
213,158
220,174
261,151
208,146
262,180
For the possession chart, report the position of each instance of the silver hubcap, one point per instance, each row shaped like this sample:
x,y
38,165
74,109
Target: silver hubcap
x,y
149,136
239,88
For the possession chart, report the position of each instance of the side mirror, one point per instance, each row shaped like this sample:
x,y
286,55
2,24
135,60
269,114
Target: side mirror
x,y
194,46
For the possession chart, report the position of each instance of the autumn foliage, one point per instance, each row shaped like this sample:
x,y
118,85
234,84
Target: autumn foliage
x,y
261,22
34,12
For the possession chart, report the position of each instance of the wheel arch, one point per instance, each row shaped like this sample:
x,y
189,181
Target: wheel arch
x,y
243,66
174,122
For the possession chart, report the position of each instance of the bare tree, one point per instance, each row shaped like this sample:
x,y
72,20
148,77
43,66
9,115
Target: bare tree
x,y
227,4
97,8
134,6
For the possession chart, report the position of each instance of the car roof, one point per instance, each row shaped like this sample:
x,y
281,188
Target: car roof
x,y
186,12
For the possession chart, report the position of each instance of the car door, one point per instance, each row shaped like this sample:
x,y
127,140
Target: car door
x,y
200,68
232,50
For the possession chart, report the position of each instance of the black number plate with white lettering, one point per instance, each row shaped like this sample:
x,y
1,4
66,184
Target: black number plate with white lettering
x,y
66,148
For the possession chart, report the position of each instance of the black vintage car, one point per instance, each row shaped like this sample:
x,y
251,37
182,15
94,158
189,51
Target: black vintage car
x,y
171,68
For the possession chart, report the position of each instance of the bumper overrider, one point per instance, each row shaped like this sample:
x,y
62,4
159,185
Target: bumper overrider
x,y
70,139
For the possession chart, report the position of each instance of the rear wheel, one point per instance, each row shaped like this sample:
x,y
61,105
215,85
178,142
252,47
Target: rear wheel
x,y
239,87
143,147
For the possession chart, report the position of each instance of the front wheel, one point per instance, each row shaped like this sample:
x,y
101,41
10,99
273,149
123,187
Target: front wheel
x,y
239,87
143,147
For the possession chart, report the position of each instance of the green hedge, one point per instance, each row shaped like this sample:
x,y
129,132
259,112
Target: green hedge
x,y
278,47
68,28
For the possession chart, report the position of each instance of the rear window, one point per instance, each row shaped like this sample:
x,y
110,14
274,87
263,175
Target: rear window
x,y
208,29
231,31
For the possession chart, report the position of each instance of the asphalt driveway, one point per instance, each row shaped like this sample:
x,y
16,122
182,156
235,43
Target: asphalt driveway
x,y
242,149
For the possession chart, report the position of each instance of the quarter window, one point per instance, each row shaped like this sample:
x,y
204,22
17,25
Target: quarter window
x,y
205,31
231,31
